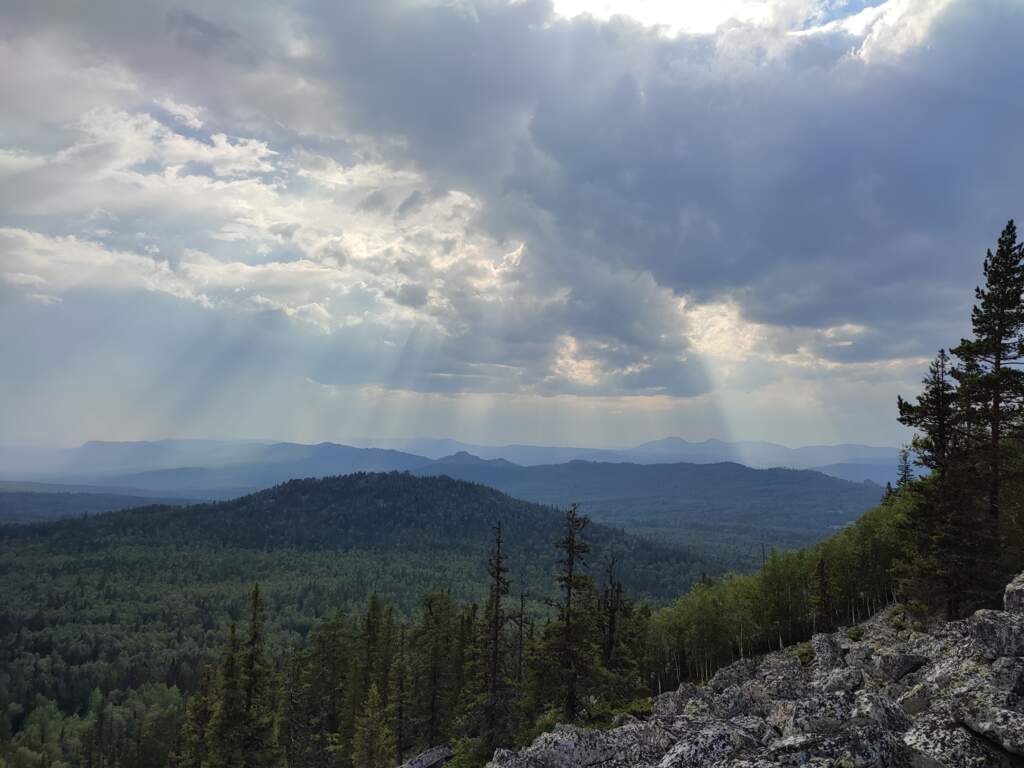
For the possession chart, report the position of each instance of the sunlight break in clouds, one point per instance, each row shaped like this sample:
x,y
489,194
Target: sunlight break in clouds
x,y
490,207
695,16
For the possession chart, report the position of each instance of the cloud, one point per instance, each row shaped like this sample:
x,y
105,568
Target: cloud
x,y
488,197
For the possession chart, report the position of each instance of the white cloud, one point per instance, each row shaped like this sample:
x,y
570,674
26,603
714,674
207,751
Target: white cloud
x,y
62,264
494,199
182,113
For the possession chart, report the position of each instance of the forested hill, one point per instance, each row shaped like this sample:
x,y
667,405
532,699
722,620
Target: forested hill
x,y
406,522
676,494
725,511
31,505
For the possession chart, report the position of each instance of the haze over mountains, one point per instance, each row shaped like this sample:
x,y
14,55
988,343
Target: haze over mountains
x,y
693,493
138,464
875,460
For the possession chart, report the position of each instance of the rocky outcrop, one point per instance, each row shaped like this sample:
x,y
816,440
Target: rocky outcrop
x,y
1013,597
949,697
435,757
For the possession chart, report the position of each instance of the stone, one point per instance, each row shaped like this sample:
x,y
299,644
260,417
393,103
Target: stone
x,y
942,743
843,679
827,653
916,700
755,726
896,666
822,714
737,672
881,710
998,632
861,657
1008,674
707,747
672,703
866,747
1003,726
1013,595
750,698
434,757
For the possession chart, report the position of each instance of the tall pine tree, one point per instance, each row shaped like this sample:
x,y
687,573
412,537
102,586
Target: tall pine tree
x,y
989,374
933,416
259,688
495,711
226,745
374,743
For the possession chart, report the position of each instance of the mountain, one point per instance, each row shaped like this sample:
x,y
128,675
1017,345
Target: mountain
x,y
669,450
526,455
31,506
202,469
463,459
393,533
727,511
859,472
101,463
270,465
759,454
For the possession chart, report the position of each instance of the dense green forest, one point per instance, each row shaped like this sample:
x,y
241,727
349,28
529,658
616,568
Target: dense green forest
x,y
724,511
137,639
34,506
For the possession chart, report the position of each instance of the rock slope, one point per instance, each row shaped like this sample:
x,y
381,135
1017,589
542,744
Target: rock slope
x,y
882,695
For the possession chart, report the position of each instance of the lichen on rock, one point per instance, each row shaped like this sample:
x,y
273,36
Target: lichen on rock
x,y
883,696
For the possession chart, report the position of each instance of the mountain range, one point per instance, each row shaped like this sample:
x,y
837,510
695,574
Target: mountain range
x,y
877,463
726,510
100,460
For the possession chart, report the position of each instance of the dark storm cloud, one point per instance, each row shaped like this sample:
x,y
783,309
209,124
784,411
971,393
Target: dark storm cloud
x,y
193,31
818,187
839,190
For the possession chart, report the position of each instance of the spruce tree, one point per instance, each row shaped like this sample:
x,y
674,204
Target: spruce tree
x,y
374,743
933,416
521,622
888,493
905,474
258,683
495,710
989,358
228,722
436,666
96,741
400,705
612,605
196,728
574,639
823,598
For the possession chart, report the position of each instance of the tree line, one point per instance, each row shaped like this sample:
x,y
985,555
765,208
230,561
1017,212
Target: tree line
x,y
369,690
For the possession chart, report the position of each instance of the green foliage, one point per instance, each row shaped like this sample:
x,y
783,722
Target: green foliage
x,y
739,615
963,530
805,653
122,600
374,743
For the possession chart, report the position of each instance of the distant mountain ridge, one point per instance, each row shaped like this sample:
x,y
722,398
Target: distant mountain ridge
x,y
102,457
669,450
727,509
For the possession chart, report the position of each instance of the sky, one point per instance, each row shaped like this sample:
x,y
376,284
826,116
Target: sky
x,y
580,222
